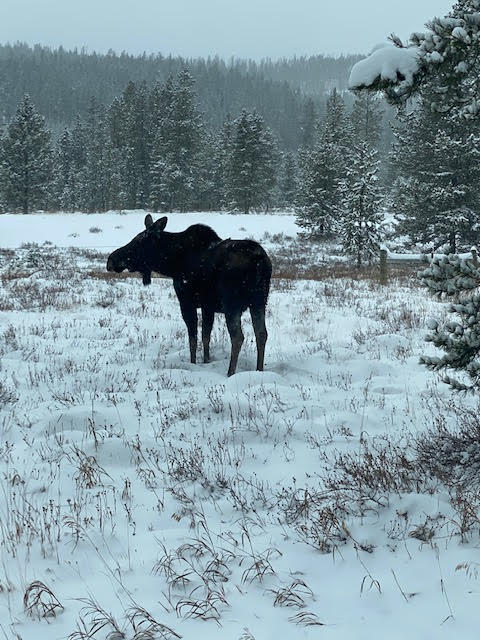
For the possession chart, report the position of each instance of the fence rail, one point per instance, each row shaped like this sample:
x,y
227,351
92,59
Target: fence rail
x,y
412,259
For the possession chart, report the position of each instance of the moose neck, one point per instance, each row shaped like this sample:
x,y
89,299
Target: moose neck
x,y
180,253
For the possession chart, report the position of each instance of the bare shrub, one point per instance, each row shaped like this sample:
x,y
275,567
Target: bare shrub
x,y
186,464
89,472
205,609
145,626
293,596
40,602
317,521
95,619
8,395
215,395
352,485
9,339
306,619
382,467
48,259
453,456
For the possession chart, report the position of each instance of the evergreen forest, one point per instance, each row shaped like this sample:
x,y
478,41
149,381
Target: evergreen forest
x,y
89,132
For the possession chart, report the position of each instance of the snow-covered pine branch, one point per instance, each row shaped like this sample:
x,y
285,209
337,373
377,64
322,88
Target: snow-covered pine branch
x,y
447,53
450,275
459,338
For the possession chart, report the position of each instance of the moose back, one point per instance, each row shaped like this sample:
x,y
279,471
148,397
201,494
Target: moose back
x,y
211,274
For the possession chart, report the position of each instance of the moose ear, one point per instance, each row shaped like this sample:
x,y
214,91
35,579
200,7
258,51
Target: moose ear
x,y
148,221
161,223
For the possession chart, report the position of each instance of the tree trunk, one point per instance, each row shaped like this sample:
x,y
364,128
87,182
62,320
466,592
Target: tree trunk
x,y
452,238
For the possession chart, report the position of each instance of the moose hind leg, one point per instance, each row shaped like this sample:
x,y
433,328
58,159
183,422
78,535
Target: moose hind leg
x,y
189,315
234,326
208,317
261,334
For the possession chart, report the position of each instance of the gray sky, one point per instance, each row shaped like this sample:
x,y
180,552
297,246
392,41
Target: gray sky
x,y
241,28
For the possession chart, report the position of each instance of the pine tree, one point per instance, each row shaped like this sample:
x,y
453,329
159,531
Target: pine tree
x,y
288,180
366,119
99,181
308,124
177,145
447,59
251,172
210,179
322,170
361,219
437,194
27,160
459,337
130,134
65,176
319,195
335,128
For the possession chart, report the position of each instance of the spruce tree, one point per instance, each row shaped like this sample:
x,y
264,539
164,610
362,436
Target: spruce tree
x,y
27,160
322,170
360,217
447,61
222,165
177,146
319,196
447,58
251,171
437,194
3,205
130,134
308,124
335,127
459,337
288,180
65,174
100,181
366,119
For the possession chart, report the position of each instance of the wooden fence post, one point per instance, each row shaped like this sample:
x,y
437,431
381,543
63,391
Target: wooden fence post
x,y
475,257
383,266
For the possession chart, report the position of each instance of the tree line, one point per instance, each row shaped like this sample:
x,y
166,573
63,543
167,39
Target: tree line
x,y
149,148
62,83
152,148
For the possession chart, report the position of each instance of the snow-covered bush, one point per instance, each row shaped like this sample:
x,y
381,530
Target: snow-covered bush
x,y
445,57
460,336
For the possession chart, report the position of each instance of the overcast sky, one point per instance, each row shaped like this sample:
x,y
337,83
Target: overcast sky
x,y
240,28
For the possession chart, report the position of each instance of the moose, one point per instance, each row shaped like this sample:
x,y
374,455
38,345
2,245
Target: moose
x,y
215,275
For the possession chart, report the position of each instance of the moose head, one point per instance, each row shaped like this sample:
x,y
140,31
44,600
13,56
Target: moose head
x,y
141,253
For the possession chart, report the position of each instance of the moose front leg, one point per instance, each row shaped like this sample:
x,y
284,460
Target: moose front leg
x,y
189,315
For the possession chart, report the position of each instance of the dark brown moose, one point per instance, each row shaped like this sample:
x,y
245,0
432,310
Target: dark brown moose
x,y
215,275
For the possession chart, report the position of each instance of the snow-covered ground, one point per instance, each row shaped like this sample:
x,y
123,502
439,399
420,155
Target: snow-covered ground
x,y
116,228
153,497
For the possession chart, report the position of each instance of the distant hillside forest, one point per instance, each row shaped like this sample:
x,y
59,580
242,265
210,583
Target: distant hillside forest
x,y
62,84
85,132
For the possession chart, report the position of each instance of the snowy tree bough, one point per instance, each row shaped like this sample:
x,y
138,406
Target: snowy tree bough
x,y
459,338
447,54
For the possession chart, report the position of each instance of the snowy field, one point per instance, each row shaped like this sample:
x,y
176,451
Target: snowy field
x,y
145,497
117,228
